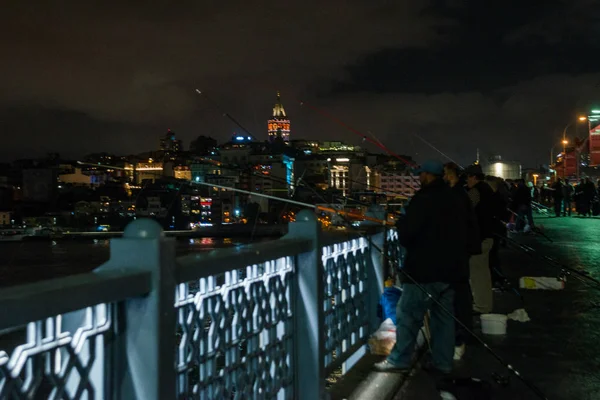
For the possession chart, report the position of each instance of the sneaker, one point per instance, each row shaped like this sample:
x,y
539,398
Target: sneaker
x,y
459,352
386,366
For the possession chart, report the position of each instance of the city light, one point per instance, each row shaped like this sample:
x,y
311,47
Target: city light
x,y
582,118
342,159
595,111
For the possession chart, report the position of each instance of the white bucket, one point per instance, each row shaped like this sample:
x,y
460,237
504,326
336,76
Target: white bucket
x,y
493,324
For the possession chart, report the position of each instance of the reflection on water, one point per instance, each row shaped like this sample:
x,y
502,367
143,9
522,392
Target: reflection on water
x,y
26,261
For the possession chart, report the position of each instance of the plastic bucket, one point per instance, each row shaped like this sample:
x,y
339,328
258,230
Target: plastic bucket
x,y
493,324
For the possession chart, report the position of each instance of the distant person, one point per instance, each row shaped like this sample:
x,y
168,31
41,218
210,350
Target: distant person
x,y
578,197
521,205
557,195
481,195
589,191
434,234
567,198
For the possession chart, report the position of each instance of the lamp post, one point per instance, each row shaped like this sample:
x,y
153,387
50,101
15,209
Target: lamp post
x,y
565,142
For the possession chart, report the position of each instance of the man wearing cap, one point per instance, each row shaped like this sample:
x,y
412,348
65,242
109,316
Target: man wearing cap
x,y
481,195
434,234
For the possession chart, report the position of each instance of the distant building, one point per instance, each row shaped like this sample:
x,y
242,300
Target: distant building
x,y
152,171
502,169
171,146
279,124
5,218
39,184
348,174
396,184
182,172
75,177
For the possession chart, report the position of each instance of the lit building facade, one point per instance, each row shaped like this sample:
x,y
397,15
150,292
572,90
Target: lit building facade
x,y
182,172
348,174
394,184
279,124
170,145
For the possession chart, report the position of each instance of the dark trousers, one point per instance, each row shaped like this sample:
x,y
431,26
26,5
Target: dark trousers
x,y
567,206
463,310
557,206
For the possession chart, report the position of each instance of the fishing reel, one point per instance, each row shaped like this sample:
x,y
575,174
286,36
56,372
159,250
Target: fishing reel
x,y
563,275
501,380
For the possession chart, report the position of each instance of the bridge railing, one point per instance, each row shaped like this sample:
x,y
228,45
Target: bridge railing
x,y
268,320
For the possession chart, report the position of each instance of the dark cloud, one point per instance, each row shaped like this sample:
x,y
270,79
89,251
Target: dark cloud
x,y
464,74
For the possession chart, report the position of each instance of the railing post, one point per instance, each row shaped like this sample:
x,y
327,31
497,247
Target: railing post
x,y
143,350
309,349
375,275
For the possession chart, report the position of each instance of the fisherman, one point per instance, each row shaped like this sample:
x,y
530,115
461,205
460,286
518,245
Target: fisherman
x,y
521,204
463,298
434,234
481,194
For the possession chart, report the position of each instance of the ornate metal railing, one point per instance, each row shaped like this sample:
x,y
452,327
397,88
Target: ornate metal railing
x,y
270,320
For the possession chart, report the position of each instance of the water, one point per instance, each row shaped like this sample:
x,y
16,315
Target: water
x,y
29,261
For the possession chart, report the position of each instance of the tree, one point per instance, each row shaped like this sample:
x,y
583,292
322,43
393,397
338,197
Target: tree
x,y
203,145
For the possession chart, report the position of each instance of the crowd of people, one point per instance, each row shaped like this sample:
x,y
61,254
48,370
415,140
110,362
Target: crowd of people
x,y
452,230
584,195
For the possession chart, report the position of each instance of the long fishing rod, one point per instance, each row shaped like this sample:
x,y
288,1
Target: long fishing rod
x,y
299,183
225,114
381,251
555,263
537,391
298,203
436,149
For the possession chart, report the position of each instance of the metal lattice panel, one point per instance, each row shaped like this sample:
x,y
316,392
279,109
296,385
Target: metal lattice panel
x,y
394,253
57,357
237,334
345,305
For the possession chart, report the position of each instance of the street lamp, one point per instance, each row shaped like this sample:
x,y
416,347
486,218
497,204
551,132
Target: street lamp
x,y
535,176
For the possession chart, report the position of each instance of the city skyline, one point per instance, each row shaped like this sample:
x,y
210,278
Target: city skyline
x,y
86,78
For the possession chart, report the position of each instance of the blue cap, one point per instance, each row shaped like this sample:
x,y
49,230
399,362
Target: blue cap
x,y
431,166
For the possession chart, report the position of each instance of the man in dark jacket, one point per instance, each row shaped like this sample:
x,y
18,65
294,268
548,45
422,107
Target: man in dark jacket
x,y
463,298
434,234
481,196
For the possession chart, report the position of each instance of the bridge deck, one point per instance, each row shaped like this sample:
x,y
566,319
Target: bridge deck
x,y
558,350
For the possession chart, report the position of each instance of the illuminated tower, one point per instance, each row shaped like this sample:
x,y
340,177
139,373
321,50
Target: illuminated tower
x,y
279,124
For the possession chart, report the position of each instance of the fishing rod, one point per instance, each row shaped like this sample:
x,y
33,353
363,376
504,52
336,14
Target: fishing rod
x,y
375,141
230,167
298,203
436,149
225,114
530,385
555,263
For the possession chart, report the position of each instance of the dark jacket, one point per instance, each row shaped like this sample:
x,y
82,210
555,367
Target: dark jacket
x,y
434,234
481,196
500,212
473,236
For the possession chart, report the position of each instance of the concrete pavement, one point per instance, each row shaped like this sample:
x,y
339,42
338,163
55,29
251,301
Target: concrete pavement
x,y
559,349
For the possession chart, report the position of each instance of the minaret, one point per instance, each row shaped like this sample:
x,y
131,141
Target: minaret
x,y
279,124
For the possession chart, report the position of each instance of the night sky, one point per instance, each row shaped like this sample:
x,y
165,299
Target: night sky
x,y
502,76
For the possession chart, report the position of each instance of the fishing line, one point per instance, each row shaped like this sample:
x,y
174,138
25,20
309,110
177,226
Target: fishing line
x,y
553,262
381,251
436,149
